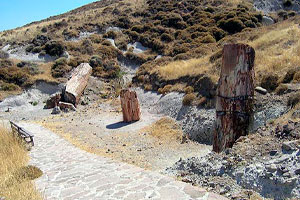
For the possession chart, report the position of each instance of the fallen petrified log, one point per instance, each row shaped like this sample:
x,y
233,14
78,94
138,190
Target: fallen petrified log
x,y
234,95
76,85
130,106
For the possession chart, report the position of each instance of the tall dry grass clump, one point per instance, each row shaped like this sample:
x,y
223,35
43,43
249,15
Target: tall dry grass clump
x,y
15,176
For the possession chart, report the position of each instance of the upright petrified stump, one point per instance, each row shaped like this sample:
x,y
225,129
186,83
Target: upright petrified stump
x,y
234,95
130,106
76,85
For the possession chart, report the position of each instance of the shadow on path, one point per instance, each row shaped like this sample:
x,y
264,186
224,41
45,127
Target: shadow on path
x,y
118,125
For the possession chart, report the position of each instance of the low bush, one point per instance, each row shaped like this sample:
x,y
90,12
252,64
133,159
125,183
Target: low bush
x,y
232,25
9,86
54,48
60,68
166,89
189,90
166,37
95,61
14,75
188,99
269,82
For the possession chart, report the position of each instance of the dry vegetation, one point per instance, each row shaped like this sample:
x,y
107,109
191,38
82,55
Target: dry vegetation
x,y
189,34
15,176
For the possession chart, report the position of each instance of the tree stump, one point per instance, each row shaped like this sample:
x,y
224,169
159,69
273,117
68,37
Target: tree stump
x,y
130,106
234,105
76,85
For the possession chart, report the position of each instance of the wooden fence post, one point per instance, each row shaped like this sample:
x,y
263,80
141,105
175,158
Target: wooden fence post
x,y
234,105
130,106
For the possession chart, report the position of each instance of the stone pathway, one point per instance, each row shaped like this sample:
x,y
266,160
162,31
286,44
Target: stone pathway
x,y
70,173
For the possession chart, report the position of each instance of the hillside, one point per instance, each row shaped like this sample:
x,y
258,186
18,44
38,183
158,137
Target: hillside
x,y
170,53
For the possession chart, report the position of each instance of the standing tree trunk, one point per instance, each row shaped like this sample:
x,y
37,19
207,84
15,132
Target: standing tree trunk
x,y
234,95
130,106
76,85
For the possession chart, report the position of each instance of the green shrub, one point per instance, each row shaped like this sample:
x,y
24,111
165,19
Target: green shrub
x,y
208,39
14,75
188,90
9,86
54,48
217,33
167,37
95,61
60,68
269,82
110,34
166,89
137,28
232,25
188,99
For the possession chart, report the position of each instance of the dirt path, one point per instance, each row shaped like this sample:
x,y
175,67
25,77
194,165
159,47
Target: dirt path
x,y
70,173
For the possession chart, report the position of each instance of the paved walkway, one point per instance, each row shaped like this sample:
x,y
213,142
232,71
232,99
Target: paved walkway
x,y
70,173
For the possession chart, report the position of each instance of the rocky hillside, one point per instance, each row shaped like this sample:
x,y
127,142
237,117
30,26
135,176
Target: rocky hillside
x,y
169,46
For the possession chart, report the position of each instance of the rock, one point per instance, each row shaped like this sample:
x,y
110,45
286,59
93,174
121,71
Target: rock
x,y
76,85
271,168
290,145
53,101
273,152
261,90
56,110
130,106
266,20
66,106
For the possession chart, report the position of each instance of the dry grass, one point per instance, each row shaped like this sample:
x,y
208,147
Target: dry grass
x,y
182,68
15,176
166,130
277,49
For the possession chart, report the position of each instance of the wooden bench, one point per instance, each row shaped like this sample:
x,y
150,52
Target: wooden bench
x,y
26,135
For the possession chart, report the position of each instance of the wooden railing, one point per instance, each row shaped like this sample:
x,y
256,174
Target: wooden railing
x,y
24,134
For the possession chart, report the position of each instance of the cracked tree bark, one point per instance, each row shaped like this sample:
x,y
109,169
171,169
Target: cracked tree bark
x,y
234,105
130,106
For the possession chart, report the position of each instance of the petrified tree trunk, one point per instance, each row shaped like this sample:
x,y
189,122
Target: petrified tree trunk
x,y
130,106
76,85
234,95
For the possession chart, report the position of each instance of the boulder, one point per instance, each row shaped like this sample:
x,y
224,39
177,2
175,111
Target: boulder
x,y
266,20
53,101
130,106
261,90
76,85
56,110
66,106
